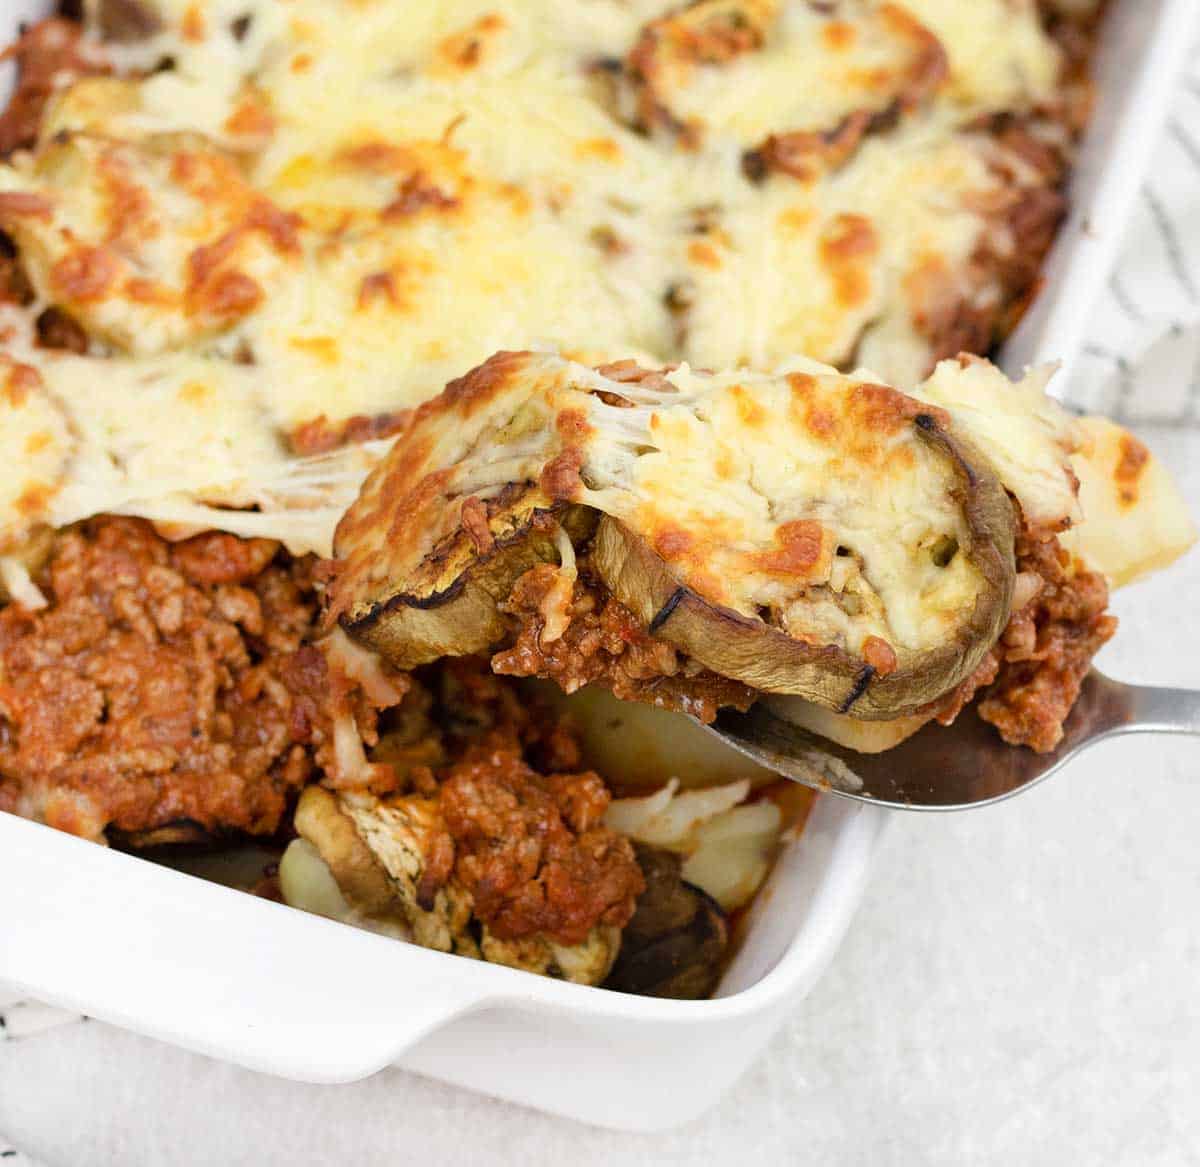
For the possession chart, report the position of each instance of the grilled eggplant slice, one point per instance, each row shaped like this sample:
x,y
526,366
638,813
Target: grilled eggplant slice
x,y
367,861
692,73
805,533
675,944
450,604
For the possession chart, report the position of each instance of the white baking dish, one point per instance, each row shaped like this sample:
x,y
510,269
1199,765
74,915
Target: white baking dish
x,y
240,978
1144,47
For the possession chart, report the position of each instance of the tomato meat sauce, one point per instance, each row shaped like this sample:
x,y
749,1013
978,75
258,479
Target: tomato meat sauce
x,y
157,684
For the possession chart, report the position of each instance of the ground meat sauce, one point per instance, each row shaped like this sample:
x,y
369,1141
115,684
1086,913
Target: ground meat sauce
x,y
1031,678
154,687
532,850
472,702
945,709
519,825
1048,646
604,643
323,694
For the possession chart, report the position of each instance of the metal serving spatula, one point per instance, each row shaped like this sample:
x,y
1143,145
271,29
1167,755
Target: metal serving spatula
x,y
964,765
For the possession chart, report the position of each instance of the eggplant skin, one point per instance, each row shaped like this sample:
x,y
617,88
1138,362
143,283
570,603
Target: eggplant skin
x,y
675,944
453,609
769,660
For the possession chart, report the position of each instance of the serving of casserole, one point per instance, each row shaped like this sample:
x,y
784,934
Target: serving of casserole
x,y
413,415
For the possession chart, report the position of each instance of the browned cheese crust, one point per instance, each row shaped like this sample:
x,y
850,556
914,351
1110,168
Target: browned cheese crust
x,y
428,567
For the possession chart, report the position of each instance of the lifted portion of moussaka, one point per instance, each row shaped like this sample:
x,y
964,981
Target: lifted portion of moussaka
x,y
806,533
693,540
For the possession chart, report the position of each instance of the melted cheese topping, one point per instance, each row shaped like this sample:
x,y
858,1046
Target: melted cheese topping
x,y
178,439
728,71
999,55
151,245
811,498
312,216
1026,435
36,445
855,247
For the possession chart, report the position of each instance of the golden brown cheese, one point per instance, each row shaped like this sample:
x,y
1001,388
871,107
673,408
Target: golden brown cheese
x,y
999,54
798,83
1027,435
178,439
855,243
305,220
866,533
380,308
36,445
150,244
810,500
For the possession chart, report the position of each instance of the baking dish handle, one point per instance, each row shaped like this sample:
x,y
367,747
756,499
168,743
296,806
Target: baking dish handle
x,y
214,970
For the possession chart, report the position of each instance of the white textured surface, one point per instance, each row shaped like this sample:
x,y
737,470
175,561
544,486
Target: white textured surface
x,y
1019,988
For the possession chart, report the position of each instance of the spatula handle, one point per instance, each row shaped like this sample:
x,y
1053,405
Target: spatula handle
x,y
1160,710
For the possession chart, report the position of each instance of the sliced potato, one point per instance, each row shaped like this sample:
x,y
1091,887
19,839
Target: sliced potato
x,y
306,882
726,844
639,747
733,853
1134,519
867,737
669,819
362,879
